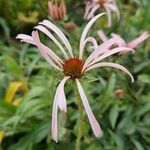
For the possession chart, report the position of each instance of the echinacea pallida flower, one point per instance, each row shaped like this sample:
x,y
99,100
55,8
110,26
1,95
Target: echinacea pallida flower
x,y
109,5
121,42
73,67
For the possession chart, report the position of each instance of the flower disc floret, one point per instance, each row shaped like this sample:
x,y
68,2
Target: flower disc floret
x,y
73,67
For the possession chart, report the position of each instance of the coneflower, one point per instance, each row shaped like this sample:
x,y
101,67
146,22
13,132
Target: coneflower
x,y
109,5
73,67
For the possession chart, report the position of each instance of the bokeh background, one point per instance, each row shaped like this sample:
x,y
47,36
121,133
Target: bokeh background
x,y
28,84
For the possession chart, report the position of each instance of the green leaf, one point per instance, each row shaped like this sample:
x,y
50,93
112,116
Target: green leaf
x,y
138,145
13,67
113,115
144,78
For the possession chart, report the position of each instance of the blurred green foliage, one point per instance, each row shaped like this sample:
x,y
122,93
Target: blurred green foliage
x,y
125,121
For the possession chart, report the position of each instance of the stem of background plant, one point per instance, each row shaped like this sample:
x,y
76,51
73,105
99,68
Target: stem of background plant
x,y
80,125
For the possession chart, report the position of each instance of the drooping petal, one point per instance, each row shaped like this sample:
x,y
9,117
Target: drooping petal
x,y
119,39
84,34
59,33
100,50
94,124
25,38
45,31
93,10
102,36
91,40
109,64
88,7
114,8
111,52
138,40
50,8
59,96
109,17
45,51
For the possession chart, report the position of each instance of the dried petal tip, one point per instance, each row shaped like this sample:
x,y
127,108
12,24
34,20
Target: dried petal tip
x,y
73,68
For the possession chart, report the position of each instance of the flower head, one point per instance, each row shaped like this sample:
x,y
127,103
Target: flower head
x,y
73,67
121,42
93,5
57,10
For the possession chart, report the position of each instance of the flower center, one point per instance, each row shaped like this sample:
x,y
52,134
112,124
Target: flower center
x,y
73,68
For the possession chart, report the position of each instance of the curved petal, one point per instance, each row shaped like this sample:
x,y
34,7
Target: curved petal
x,y
93,10
111,52
25,38
57,101
102,36
91,40
45,51
84,34
45,31
100,50
109,17
120,40
138,40
94,124
114,8
109,64
88,7
59,33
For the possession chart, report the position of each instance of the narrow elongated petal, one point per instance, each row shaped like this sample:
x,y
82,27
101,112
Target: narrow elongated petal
x,y
112,52
59,96
100,50
94,124
84,34
59,33
91,40
45,31
138,40
25,38
46,52
109,17
89,6
94,9
109,64
119,39
102,36
114,8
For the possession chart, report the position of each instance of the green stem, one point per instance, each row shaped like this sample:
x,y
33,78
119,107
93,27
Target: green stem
x,y
79,134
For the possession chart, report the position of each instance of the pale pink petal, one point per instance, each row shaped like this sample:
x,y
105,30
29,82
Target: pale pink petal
x,y
59,33
91,40
56,103
50,8
45,51
45,31
88,7
94,124
93,10
114,8
111,52
138,40
102,36
109,17
25,38
84,34
109,64
100,50
120,41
